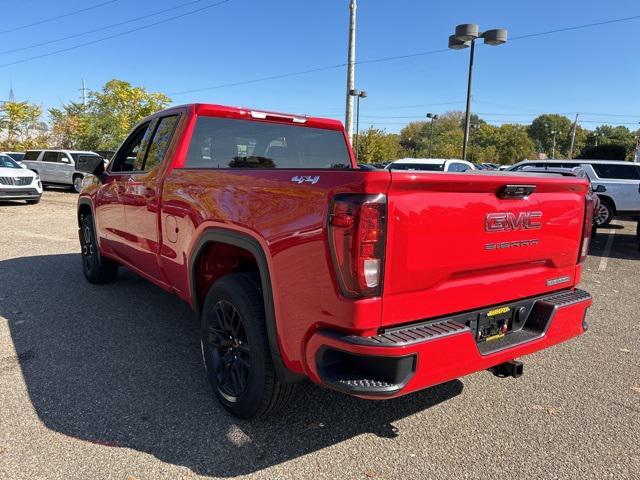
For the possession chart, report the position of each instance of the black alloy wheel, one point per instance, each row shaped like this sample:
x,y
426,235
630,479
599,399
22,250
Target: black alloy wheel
x,y
229,350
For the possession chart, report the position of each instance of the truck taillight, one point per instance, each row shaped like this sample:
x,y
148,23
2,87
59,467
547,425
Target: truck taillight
x,y
589,207
357,231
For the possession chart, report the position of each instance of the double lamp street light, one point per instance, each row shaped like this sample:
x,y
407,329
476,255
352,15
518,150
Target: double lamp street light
x,y
466,36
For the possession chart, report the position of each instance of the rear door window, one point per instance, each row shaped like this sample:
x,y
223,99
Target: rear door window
x,y
50,157
160,142
32,155
230,143
616,171
458,167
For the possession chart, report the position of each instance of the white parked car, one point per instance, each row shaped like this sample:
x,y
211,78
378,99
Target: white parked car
x,y
17,183
57,167
617,184
431,165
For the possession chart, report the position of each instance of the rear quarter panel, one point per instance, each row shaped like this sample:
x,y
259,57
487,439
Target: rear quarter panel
x,y
289,220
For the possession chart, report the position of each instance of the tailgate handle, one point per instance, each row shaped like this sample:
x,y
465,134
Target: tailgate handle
x,y
516,191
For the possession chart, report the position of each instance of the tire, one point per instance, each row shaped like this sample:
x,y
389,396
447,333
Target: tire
x,y
77,183
95,267
605,213
235,348
35,201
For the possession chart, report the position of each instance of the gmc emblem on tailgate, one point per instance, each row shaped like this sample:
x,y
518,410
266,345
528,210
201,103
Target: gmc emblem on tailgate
x,y
508,221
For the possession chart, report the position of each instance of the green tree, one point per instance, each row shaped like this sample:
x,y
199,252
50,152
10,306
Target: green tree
x,y
115,110
377,146
68,125
107,118
442,139
20,125
413,138
540,133
505,144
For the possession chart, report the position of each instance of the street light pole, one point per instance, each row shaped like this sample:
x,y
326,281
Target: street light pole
x,y
553,150
467,115
358,94
433,118
474,127
465,36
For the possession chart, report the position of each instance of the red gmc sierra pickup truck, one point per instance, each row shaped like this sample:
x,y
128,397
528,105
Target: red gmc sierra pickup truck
x,y
300,265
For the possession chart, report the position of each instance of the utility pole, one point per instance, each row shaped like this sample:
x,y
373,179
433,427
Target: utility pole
x,y
84,93
573,137
351,61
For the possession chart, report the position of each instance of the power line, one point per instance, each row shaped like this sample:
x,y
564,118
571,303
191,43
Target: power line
x,y
511,122
115,35
303,72
530,112
395,57
262,79
577,27
99,29
399,107
58,17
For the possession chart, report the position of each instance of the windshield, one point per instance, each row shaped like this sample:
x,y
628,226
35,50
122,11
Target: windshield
x,y
7,162
430,167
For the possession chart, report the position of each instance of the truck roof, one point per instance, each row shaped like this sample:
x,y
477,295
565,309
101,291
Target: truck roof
x,y
248,113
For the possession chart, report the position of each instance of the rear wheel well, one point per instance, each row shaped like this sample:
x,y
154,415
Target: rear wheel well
x,y
217,259
609,201
220,252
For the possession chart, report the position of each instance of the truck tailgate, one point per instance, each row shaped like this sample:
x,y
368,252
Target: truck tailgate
x,y
455,243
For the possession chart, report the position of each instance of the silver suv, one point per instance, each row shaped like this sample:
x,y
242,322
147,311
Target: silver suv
x,y
617,183
57,167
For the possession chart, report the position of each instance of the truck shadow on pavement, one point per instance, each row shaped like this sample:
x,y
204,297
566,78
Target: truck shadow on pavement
x,y
625,244
119,365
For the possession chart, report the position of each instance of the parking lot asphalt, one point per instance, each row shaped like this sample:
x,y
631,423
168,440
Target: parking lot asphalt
x,y
105,382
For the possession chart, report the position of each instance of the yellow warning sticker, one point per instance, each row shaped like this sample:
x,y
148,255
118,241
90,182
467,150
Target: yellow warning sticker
x,y
498,311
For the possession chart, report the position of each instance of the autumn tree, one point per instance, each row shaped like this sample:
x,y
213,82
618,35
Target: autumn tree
x,y
20,126
107,118
68,125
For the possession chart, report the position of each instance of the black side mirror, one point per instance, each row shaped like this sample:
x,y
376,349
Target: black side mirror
x,y
90,164
600,189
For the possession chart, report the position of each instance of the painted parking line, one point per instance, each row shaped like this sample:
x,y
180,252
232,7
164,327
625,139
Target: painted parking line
x,y
52,238
607,250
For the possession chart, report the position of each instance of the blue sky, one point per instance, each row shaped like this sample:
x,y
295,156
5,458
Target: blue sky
x,y
592,71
